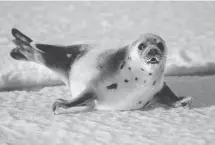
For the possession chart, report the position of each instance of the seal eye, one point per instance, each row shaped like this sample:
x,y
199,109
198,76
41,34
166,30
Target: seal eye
x,y
160,46
142,46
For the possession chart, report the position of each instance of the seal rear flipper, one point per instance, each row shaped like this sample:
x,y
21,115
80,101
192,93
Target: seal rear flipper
x,y
75,49
16,54
81,100
20,36
47,48
23,47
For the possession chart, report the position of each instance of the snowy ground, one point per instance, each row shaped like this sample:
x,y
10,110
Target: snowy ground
x,y
188,29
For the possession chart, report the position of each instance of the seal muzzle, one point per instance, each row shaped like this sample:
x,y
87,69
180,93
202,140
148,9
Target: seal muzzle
x,y
153,56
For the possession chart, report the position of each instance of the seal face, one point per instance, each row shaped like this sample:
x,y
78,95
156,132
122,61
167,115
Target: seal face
x,y
108,79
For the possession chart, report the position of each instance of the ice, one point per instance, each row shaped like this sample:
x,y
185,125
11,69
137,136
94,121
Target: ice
x,y
26,118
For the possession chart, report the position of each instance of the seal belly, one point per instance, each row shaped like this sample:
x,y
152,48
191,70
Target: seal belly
x,y
117,94
125,101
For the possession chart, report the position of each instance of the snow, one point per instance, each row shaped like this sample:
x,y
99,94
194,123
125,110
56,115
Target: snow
x,y
27,90
26,118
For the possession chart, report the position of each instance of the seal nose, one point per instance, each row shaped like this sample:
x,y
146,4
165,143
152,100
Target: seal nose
x,y
153,52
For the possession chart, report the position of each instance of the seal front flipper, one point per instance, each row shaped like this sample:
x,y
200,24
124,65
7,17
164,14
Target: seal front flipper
x,y
166,96
81,100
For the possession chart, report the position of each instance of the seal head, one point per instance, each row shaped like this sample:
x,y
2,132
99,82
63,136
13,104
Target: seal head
x,y
150,51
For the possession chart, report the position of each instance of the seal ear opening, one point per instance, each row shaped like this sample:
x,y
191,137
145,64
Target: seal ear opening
x,y
20,36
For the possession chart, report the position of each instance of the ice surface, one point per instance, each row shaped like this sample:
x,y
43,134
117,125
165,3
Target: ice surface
x,y
26,118
188,29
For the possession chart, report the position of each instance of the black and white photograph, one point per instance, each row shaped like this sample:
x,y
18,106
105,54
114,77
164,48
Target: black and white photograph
x,y
107,72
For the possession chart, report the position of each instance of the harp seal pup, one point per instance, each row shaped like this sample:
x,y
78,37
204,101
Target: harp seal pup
x,y
126,78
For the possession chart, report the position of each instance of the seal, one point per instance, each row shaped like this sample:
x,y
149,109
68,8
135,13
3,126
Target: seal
x,y
126,78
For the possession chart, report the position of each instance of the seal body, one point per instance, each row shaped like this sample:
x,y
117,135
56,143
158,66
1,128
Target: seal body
x,y
128,90
124,78
119,77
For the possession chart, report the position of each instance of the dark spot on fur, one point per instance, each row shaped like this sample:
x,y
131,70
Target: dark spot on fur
x,y
112,86
142,69
136,78
126,80
129,68
121,67
140,102
154,83
129,58
147,103
150,74
145,81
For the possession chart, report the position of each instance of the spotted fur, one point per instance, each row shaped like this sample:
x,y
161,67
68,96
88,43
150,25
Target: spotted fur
x,y
96,76
121,67
154,83
136,78
112,86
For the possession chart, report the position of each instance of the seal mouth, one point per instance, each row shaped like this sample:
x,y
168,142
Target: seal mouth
x,y
16,54
153,60
153,56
